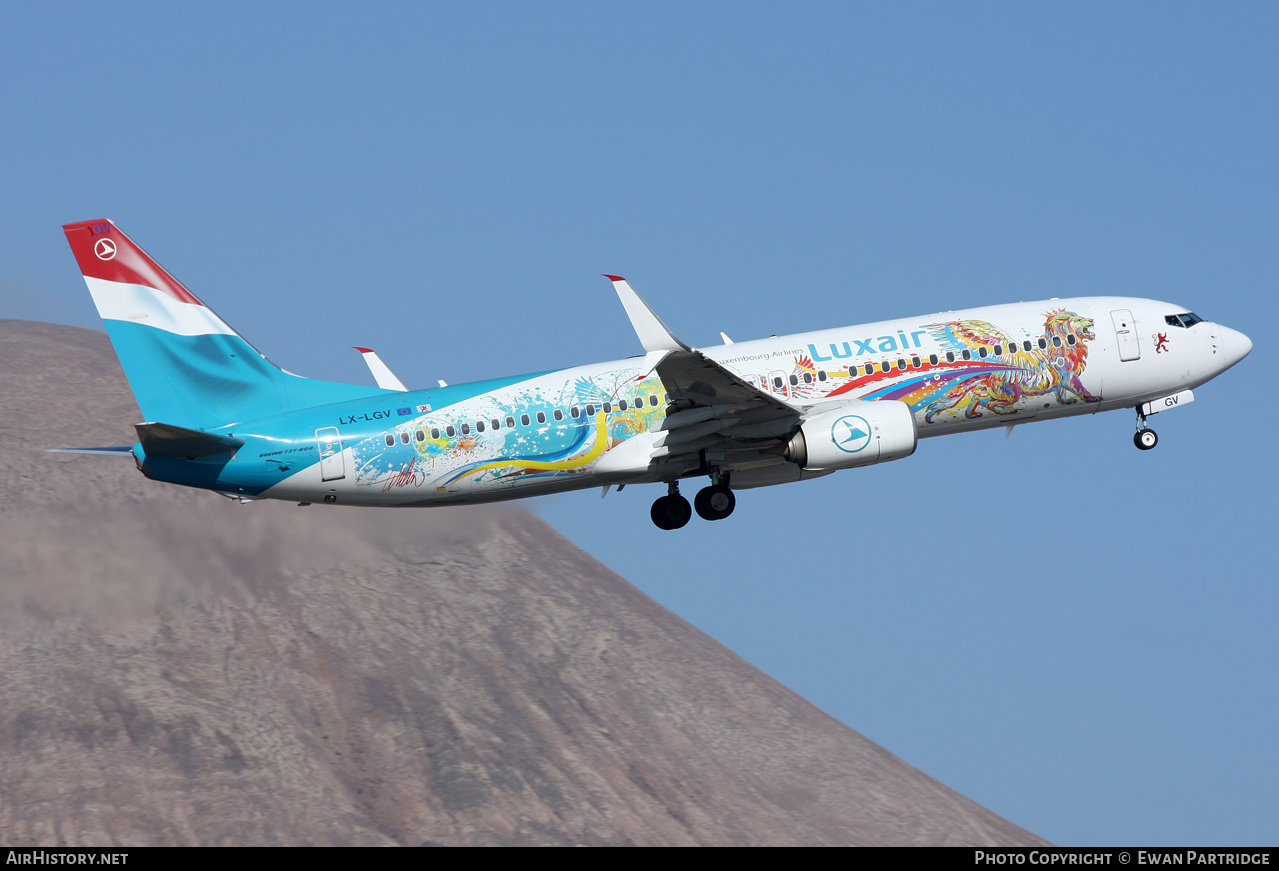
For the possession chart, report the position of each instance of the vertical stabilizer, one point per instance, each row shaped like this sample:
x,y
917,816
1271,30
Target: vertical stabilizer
x,y
185,364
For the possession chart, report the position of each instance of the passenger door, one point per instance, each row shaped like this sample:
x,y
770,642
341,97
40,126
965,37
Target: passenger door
x,y
332,466
1126,333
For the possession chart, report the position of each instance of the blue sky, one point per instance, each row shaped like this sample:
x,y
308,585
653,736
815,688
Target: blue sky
x,y
1077,635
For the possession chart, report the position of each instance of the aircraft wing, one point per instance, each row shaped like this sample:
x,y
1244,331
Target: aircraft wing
x,y
719,412
711,408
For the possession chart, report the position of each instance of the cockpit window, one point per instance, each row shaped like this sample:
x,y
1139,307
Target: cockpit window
x,y
1185,319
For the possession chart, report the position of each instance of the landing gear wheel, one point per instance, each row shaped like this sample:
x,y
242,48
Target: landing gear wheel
x,y
671,512
1145,439
715,502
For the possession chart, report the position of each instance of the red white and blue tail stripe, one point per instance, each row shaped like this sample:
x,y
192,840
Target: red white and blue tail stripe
x,y
186,365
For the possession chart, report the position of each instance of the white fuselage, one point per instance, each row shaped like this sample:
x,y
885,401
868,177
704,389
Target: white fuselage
x,y
957,371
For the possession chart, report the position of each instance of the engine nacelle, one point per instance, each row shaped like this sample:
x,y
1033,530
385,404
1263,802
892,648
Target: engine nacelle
x,y
857,433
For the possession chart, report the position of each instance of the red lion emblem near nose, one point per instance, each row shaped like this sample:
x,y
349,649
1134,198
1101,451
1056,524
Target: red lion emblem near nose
x,y
1161,342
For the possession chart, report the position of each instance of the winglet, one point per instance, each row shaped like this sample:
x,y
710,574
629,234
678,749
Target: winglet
x,y
382,373
653,334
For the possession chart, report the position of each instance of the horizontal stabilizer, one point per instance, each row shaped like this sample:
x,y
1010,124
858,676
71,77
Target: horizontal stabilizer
x,y
123,451
166,440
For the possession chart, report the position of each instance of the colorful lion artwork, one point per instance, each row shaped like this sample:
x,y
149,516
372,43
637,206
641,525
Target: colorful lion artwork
x,y
1017,374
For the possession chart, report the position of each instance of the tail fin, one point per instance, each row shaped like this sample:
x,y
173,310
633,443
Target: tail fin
x,y
185,365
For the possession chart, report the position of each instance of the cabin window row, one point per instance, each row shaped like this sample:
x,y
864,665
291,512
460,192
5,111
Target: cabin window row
x,y
576,412
902,364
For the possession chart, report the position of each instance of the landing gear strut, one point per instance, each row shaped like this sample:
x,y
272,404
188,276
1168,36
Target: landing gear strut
x,y
672,510
1145,438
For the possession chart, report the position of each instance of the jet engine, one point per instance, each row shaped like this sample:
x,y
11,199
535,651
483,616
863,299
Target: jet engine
x,y
856,433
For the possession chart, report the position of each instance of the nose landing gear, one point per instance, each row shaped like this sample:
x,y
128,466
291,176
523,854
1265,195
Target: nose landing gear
x,y
1145,438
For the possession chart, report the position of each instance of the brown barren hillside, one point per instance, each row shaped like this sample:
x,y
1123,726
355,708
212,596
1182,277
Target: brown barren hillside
x,y
178,669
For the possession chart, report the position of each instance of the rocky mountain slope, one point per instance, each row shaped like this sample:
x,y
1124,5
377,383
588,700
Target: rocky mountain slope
x,y
179,669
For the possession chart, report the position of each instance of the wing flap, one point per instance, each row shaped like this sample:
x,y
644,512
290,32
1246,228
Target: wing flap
x,y
716,410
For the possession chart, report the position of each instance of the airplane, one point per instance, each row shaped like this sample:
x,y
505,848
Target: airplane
x,y
221,417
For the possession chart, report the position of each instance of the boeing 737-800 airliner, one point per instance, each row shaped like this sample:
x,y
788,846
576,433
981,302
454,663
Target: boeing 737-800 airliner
x,y
221,417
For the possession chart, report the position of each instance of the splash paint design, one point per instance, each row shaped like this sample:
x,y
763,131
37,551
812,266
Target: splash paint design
x,y
610,408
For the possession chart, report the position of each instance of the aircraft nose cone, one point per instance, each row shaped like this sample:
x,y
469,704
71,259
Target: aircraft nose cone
x,y
1234,346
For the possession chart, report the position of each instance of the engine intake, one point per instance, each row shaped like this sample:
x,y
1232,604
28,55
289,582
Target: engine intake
x,y
857,433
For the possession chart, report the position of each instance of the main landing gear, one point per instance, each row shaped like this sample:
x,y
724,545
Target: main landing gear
x,y
672,510
1145,438
711,503
714,502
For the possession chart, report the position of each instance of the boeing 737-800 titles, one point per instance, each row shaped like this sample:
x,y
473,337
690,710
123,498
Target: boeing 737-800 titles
x,y
221,417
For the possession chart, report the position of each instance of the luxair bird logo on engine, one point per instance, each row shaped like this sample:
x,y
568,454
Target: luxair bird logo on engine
x,y
850,433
